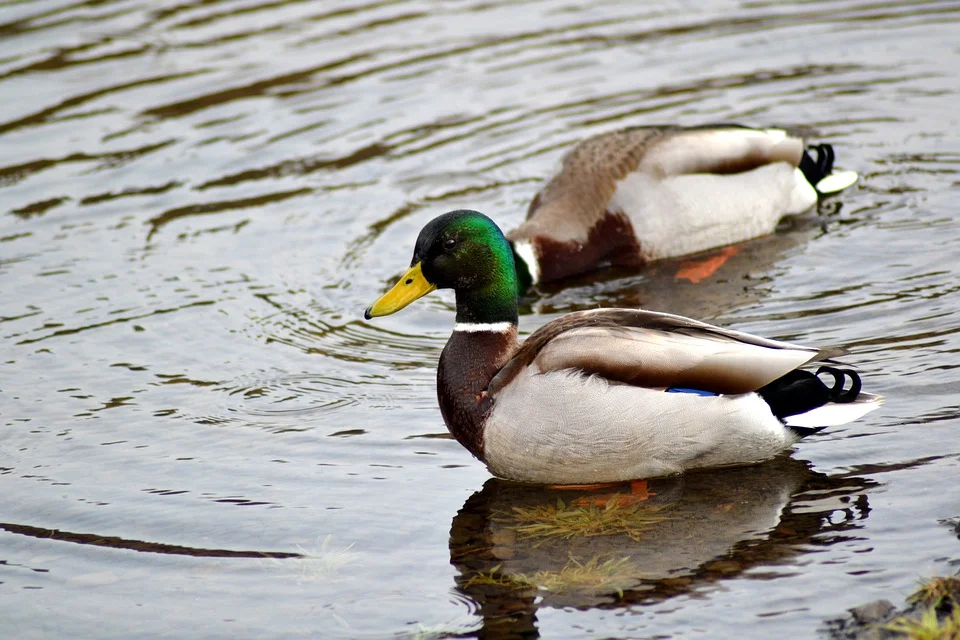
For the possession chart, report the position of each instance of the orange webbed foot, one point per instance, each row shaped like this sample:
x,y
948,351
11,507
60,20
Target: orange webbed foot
x,y
639,492
698,270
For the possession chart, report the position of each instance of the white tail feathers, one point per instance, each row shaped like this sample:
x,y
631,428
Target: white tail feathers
x,y
836,182
832,413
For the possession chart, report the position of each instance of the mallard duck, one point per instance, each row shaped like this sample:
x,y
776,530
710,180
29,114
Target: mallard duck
x,y
606,395
629,197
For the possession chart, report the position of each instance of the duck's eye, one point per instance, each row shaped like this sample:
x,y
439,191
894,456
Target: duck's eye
x,y
449,243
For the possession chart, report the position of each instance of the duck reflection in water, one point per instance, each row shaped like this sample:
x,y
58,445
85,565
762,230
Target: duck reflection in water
x,y
519,547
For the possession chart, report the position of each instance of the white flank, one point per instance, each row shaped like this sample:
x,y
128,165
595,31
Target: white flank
x,y
477,327
833,414
803,195
837,181
776,134
525,250
684,214
587,430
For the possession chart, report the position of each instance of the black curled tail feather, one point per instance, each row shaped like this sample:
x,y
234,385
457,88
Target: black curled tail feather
x,y
801,391
816,170
837,393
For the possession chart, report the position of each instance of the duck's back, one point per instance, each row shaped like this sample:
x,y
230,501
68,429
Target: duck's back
x,y
646,193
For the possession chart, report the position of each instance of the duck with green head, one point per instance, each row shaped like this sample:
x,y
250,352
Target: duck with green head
x,y
606,395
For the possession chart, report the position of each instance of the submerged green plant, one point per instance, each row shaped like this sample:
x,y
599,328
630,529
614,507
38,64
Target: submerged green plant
x,y
593,575
935,591
494,578
929,626
564,521
940,619
322,562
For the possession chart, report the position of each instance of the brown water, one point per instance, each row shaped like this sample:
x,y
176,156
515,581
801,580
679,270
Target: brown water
x,y
200,436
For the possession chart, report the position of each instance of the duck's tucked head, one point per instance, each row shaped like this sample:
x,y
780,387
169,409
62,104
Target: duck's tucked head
x,y
464,251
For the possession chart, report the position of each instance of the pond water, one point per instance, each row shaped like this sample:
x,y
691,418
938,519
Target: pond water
x,y
201,437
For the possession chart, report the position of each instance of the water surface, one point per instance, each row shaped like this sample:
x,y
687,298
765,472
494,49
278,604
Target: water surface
x,y
201,437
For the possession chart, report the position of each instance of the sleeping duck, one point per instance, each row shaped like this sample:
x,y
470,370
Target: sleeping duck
x,y
628,197
610,394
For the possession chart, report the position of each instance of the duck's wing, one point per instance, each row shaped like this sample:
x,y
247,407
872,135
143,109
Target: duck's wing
x,y
591,170
577,198
657,350
719,149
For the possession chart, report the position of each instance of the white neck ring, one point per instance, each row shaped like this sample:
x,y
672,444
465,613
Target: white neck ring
x,y
477,327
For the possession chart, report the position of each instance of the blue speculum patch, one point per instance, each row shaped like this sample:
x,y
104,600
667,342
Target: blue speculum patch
x,y
697,392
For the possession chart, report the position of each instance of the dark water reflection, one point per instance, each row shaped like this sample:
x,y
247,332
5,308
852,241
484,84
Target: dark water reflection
x,y
739,523
201,437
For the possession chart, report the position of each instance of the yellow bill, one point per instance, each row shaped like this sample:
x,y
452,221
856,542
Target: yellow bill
x,y
412,285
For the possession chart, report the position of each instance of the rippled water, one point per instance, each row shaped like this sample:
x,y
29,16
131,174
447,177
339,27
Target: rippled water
x,y
200,436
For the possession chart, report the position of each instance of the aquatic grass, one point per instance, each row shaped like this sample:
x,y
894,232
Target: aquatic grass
x,y
936,591
494,577
929,626
562,521
593,575
940,618
322,562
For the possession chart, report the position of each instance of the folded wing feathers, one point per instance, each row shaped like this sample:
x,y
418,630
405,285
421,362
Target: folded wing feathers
x,y
720,150
670,151
671,322
656,358
657,350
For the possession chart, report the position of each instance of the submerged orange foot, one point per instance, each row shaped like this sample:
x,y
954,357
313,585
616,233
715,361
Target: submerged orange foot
x,y
698,270
584,487
638,493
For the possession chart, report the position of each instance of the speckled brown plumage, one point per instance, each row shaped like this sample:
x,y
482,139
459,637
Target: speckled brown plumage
x,y
575,200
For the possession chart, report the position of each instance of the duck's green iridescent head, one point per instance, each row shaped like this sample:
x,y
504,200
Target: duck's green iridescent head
x,y
464,251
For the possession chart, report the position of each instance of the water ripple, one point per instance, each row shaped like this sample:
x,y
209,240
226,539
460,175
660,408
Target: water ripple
x,y
198,198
